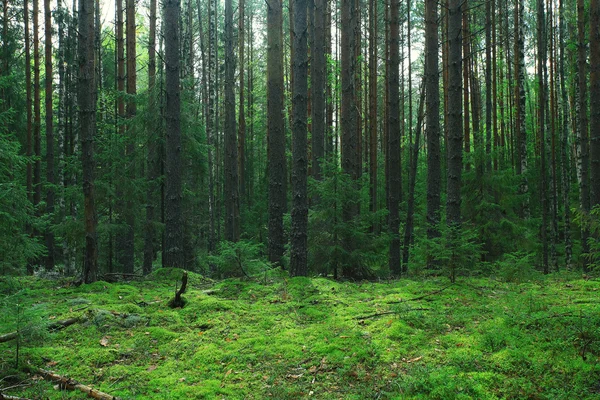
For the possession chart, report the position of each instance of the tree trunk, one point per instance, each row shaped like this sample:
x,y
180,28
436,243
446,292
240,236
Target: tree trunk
x,y
595,103
152,162
488,85
87,118
521,143
276,163
394,162
173,250
454,170
241,114
231,195
28,101
541,57
373,106
466,65
37,140
582,131
298,234
433,120
318,74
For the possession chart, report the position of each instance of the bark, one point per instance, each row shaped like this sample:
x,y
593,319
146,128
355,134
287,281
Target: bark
x,y
594,103
521,133
454,170
37,140
152,169
210,127
564,142
495,45
394,163
433,119
488,85
241,114
298,234
87,119
373,106
173,250
582,131
318,74
50,196
276,163
466,65
541,58
232,210
28,101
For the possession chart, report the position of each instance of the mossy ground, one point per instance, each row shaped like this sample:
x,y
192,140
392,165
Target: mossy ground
x,y
300,338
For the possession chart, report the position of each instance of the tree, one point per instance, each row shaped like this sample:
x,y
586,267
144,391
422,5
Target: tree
x,y
595,103
87,118
455,128
276,164
541,53
37,141
432,106
49,133
318,74
231,194
173,251
298,234
582,128
372,105
241,113
520,102
394,163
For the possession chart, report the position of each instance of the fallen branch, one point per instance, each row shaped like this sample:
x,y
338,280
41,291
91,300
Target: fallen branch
x,y
71,384
423,296
7,397
178,301
381,314
55,326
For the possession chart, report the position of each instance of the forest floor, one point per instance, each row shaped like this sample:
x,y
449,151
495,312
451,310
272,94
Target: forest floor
x,y
305,338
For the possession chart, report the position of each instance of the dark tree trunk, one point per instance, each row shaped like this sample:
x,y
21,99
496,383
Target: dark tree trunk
x,y
582,131
318,74
50,196
87,119
466,65
37,140
230,192
455,127
298,234
594,103
241,114
152,162
173,251
520,127
28,101
394,163
432,113
488,85
275,129
541,57
373,105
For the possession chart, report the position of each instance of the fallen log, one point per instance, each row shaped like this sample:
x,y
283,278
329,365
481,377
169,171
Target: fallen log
x,y
65,383
55,326
7,397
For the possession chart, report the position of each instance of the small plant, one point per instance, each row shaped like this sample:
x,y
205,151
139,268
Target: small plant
x,y
516,267
240,259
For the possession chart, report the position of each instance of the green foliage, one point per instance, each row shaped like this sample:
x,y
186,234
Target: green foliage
x,y
516,267
242,259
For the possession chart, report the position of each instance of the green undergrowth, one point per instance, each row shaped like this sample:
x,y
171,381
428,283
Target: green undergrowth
x,y
298,338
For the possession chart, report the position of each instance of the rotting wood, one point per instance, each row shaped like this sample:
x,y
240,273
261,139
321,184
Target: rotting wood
x,y
178,301
381,314
55,326
65,383
7,397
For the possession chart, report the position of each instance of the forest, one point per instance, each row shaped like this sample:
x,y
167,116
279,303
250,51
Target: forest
x,y
410,187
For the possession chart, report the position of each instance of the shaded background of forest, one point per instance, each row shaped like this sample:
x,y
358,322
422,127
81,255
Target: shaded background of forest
x,y
358,139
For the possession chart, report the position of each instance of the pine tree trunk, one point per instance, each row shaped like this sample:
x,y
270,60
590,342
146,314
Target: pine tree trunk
x,y
433,120
373,187
241,114
37,140
276,163
521,132
541,57
582,131
454,171
318,74
87,117
299,228
595,103
488,85
28,101
394,163
173,251
466,65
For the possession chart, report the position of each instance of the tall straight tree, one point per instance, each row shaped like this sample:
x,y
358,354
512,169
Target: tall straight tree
x,y
541,58
349,118
231,187
318,74
520,102
37,119
432,112
29,178
394,163
488,85
152,163
127,241
86,98
298,234
49,133
173,251
241,113
276,164
373,105
595,103
582,129
455,128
